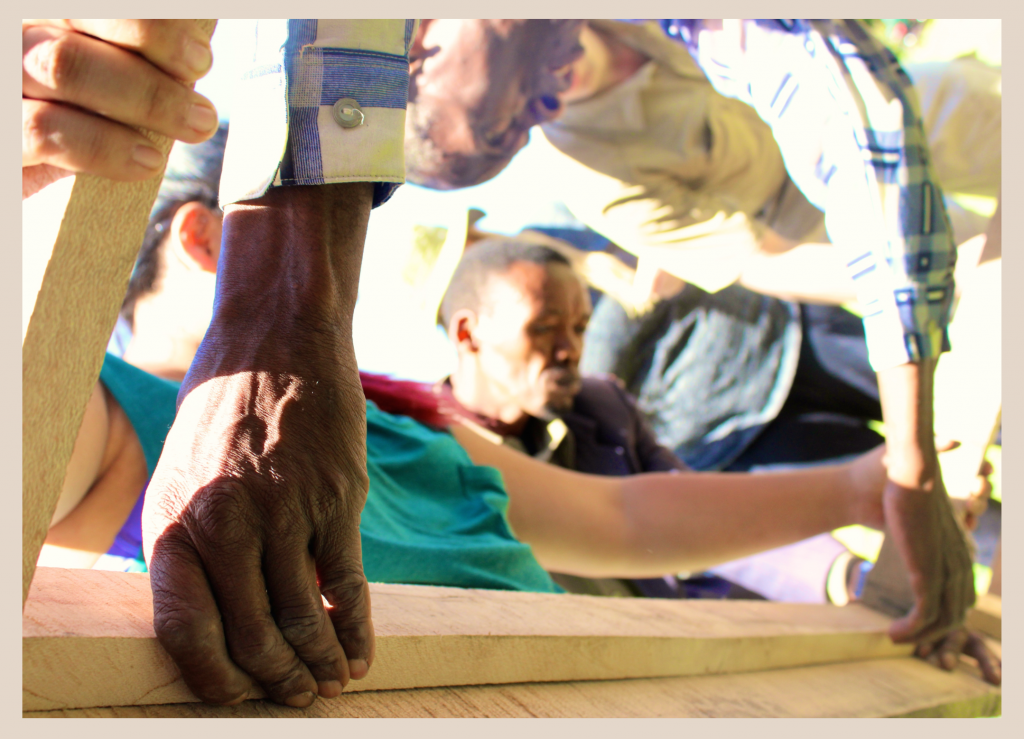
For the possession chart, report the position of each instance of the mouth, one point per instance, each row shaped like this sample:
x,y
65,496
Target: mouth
x,y
563,380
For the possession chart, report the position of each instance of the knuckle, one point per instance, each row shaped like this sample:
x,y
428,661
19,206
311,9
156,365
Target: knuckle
x,y
181,629
350,491
287,515
160,35
301,625
252,643
222,513
148,32
155,99
166,497
345,590
60,63
40,131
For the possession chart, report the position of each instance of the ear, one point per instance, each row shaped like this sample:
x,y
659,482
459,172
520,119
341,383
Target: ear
x,y
462,331
197,231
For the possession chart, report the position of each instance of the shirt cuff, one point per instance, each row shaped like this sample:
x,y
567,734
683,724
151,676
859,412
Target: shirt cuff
x,y
322,102
896,336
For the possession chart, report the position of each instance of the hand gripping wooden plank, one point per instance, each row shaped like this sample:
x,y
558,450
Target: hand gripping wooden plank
x,y
62,350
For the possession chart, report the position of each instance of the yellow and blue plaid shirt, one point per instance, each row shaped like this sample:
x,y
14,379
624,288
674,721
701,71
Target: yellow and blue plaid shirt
x,y
284,129
848,124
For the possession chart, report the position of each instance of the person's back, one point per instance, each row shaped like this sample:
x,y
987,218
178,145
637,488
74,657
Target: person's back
x,y
708,370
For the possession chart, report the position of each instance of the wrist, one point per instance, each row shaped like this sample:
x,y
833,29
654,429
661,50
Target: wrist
x,y
294,255
906,393
911,467
286,348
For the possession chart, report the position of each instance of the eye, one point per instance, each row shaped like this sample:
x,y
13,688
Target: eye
x,y
495,139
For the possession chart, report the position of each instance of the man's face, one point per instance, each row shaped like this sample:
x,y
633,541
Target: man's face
x,y
530,336
477,87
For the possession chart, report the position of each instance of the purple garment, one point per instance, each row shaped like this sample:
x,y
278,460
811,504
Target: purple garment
x,y
128,542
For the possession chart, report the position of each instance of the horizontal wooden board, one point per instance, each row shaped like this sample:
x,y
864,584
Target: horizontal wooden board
x,y
88,639
874,688
987,616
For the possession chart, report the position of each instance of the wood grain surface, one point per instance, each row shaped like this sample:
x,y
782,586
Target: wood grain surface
x,y
873,688
88,639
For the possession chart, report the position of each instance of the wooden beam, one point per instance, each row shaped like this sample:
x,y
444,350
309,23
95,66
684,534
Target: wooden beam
x,y
873,688
74,313
987,616
88,639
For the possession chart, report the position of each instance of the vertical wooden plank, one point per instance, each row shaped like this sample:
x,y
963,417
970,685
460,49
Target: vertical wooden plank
x,y
63,348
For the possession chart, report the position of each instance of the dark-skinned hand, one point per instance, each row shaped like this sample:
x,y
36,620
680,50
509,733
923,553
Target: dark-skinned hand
x,y
946,654
251,520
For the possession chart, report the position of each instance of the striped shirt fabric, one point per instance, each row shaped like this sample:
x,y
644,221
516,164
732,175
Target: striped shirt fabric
x,y
848,124
283,125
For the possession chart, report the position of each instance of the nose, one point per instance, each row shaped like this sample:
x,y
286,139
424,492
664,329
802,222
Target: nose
x,y
569,347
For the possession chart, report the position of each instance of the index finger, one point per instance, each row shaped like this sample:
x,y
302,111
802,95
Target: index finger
x,y
188,624
181,48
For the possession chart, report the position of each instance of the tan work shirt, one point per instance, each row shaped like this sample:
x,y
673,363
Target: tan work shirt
x,y
666,167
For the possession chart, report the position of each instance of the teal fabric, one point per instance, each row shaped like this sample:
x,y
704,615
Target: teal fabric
x,y
148,401
432,517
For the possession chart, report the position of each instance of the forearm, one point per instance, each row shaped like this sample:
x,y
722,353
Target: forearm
x,y
691,522
647,525
288,276
906,394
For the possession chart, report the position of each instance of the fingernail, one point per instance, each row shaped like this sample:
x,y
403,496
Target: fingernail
x,y
147,156
202,118
243,697
357,668
198,56
302,700
329,688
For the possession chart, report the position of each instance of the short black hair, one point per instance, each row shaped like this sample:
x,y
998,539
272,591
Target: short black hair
x,y
192,175
485,258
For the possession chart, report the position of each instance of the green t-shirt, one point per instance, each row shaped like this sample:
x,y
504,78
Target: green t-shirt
x,y
432,517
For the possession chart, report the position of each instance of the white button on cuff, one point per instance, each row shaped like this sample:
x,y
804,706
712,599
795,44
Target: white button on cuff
x,y
347,113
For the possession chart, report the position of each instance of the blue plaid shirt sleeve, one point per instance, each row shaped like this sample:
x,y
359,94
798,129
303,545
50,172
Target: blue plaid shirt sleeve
x,y
848,124
321,101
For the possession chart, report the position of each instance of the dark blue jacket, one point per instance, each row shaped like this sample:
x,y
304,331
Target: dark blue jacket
x,y
611,435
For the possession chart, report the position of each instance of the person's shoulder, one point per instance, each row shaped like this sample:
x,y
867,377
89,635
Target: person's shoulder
x,y
602,382
602,394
